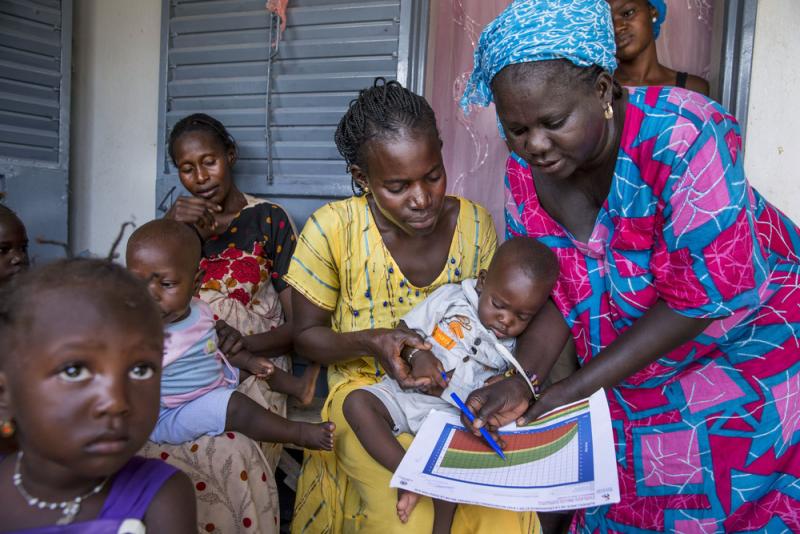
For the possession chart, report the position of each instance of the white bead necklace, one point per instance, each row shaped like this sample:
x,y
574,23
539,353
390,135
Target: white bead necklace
x,y
69,509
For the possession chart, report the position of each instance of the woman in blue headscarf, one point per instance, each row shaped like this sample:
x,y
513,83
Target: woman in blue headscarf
x,y
637,24
679,283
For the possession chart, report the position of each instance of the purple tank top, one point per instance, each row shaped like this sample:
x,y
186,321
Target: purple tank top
x,y
131,493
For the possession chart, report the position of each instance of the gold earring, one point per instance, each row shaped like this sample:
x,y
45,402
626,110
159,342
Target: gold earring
x,y
7,428
608,111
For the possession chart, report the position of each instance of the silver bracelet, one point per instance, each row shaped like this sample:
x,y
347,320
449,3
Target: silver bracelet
x,y
411,355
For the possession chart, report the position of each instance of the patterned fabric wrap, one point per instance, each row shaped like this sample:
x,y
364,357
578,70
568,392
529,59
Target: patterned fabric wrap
x,y
661,7
580,31
707,436
244,268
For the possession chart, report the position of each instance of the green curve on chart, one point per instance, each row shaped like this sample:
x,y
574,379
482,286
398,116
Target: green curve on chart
x,y
488,460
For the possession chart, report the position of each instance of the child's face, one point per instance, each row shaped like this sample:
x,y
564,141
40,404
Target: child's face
x,y
204,166
170,279
13,247
407,179
508,300
82,381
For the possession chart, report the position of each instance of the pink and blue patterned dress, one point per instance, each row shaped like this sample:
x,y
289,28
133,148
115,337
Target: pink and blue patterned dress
x,y
706,436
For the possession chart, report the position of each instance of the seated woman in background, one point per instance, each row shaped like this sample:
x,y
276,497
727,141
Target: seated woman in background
x,y
637,24
247,244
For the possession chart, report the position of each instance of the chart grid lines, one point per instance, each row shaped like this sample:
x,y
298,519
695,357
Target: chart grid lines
x,y
560,454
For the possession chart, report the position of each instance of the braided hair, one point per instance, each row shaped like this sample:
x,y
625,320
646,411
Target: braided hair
x,y
200,122
100,279
384,111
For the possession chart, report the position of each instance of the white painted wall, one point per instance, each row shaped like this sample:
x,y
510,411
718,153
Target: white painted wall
x,y
116,47
772,157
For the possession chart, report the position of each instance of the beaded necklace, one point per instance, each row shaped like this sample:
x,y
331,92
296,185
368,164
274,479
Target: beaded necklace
x,y
69,509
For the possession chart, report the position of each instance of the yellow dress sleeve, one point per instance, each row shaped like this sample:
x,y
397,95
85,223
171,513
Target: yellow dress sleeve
x,y
487,238
314,269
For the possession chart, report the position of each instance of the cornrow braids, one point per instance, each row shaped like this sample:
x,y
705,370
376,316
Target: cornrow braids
x,y
98,277
203,123
385,110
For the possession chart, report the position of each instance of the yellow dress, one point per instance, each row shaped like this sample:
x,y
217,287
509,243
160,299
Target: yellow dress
x,y
341,264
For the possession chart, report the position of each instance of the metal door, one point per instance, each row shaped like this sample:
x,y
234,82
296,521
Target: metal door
x,y
35,52
282,98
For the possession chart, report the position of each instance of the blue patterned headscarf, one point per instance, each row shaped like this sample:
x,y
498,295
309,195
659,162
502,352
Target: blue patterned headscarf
x,y
661,7
580,31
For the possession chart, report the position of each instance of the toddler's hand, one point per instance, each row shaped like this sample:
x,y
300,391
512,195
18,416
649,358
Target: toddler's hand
x,y
229,340
427,367
198,212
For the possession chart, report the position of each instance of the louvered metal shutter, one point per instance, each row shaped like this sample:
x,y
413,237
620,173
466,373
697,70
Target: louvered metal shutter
x,y
35,46
215,60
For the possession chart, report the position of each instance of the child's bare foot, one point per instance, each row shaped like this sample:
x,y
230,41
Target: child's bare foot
x,y
406,501
259,366
315,436
307,384
300,387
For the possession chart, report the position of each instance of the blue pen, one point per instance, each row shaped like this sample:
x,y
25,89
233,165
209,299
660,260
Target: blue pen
x,y
485,433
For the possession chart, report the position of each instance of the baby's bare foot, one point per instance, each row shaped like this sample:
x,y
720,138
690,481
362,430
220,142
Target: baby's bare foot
x,y
406,501
307,385
316,436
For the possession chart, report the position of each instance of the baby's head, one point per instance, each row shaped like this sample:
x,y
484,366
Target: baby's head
x,y
166,255
80,366
516,285
13,245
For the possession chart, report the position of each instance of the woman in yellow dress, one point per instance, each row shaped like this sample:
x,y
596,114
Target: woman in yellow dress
x,y
361,264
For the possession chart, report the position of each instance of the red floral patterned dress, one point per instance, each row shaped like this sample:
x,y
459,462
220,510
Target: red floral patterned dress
x,y
244,268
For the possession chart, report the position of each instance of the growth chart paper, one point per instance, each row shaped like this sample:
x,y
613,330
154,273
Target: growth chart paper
x,y
564,460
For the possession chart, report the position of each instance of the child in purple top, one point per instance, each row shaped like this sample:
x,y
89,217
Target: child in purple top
x,y
79,388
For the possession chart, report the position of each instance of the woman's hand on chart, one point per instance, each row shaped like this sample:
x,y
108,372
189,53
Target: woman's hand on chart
x,y
198,212
553,397
497,404
387,344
